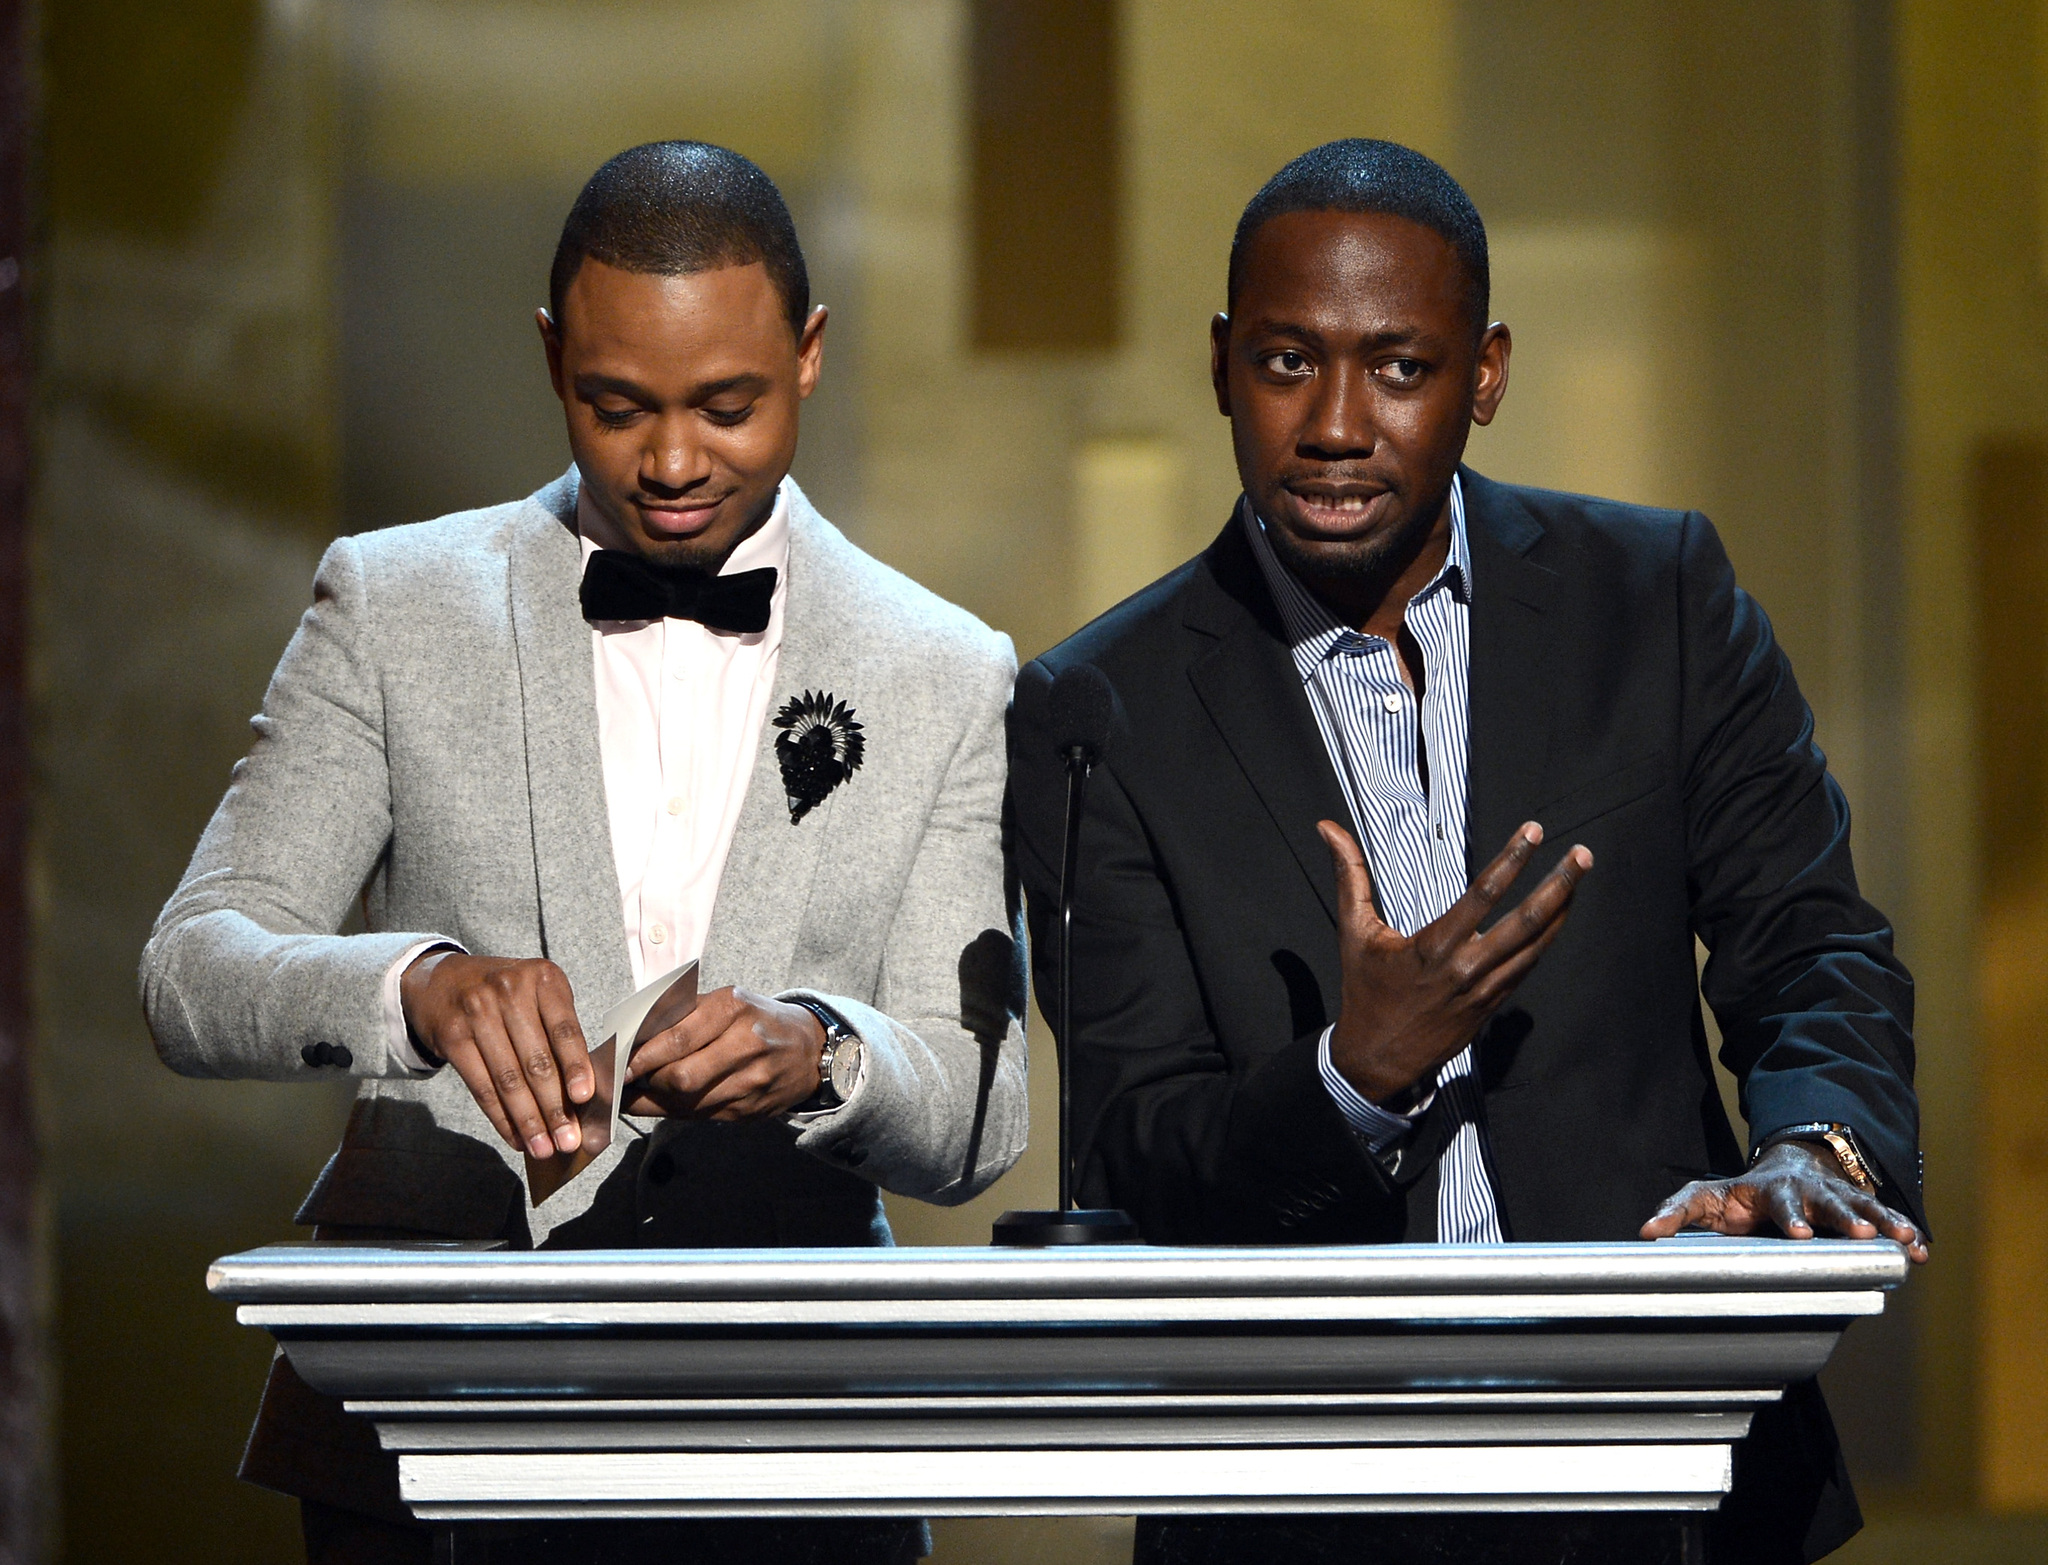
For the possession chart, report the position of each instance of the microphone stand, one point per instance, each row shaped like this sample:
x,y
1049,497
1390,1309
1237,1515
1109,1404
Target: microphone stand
x,y
1067,1225
1079,764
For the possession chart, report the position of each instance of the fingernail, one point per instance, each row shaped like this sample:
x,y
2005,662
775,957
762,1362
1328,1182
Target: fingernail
x,y
568,1137
1532,833
540,1146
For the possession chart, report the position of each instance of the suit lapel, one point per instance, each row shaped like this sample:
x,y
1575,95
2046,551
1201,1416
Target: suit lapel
x,y
757,921
582,927
1512,674
1248,685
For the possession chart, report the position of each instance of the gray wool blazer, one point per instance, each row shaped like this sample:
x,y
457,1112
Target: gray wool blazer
x,y
429,743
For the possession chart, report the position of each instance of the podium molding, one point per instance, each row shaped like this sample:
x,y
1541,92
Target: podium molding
x,y
1108,1380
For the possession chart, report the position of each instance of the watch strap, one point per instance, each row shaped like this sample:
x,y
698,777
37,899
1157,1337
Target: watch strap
x,y
837,1036
1837,1138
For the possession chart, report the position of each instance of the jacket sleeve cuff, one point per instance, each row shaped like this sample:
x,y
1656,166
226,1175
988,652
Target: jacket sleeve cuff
x,y
1891,1150
406,1057
1297,1154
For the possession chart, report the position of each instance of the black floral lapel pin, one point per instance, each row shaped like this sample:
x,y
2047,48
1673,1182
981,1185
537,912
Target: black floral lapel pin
x,y
819,748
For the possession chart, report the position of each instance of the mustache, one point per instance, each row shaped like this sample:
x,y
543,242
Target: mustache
x,y
1338,473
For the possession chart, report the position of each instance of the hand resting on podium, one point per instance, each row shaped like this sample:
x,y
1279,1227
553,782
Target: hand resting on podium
x,y
1795,1187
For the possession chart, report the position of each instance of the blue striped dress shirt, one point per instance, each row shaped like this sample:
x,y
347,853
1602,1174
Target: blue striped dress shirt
x,y
1379,739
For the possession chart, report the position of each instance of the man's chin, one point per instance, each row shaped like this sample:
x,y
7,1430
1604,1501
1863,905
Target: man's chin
x,y
1332,559
699,553
1379,550
707,548
702,549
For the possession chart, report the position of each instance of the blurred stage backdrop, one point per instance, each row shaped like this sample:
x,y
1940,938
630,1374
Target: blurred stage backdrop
x,y
1786,263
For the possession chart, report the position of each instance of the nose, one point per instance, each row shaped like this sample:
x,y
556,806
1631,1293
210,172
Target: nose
x,y
1339,425
674,461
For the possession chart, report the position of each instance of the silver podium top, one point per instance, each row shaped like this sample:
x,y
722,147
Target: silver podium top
x,y
333,1274
464,1322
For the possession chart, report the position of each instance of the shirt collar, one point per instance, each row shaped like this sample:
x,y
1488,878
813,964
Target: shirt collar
x,y
767,545
1312,630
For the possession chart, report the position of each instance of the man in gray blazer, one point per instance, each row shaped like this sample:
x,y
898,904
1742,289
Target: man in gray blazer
x,y
660,710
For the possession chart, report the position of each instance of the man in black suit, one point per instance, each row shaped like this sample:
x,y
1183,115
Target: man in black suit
x,y
1280,1036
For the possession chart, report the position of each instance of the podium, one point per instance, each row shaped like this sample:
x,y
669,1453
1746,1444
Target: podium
x,y
1116,1380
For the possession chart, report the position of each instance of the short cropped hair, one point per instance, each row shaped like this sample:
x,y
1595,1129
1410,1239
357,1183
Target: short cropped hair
x,y
670,208
1359,175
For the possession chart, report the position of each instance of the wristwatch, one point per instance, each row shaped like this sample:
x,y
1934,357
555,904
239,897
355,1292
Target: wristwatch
x,y
1839,1139
838,1064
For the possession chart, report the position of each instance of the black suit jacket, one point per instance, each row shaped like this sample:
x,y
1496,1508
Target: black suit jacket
x,y
1626,694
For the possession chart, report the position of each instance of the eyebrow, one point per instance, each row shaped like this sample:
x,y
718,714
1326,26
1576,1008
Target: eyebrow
x,y
747,381
1398,337
593,385
597,385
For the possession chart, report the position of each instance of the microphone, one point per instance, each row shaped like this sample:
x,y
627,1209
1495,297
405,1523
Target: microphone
x,y
1084,708
1084,711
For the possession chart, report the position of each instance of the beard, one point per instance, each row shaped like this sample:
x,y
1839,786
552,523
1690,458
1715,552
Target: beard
x,y
682,553
705,552
1360,564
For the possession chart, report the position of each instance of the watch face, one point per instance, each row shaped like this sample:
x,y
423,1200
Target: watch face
x,y
846,1066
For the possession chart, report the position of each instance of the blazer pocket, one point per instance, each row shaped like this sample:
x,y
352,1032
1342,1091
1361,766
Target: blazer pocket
x,y
1604,795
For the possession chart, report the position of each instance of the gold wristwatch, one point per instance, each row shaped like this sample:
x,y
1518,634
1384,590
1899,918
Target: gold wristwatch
x,y
1839,1139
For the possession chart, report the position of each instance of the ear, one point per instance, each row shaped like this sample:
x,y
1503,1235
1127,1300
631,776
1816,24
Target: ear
x,y
1490,377
1219,361
810,352
551,345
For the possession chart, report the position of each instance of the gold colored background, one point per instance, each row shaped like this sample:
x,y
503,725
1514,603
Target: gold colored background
x,y
1785,263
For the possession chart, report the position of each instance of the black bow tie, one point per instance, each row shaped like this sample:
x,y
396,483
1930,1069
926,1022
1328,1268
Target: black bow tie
x,y
618,585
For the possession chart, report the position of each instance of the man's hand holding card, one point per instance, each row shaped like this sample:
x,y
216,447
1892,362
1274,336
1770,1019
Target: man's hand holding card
x,y
640,1018
738,1055
509,1029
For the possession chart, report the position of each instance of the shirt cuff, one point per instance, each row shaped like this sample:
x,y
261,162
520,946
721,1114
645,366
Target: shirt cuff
x,y
397,1036
1377,1127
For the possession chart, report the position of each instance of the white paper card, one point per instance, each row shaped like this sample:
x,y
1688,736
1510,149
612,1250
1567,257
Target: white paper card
x,y
636,1019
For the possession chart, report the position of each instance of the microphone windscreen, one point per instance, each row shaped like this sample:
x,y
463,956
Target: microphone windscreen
x,y
1083,709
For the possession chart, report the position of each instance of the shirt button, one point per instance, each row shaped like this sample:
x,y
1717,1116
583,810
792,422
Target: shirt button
x,y
1391,701
675,805
657,933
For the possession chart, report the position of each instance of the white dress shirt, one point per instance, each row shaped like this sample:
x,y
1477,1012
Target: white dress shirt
x,y
1412,831
680,710
679,715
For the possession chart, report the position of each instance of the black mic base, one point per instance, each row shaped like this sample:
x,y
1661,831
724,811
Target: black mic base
x,y
1090,1225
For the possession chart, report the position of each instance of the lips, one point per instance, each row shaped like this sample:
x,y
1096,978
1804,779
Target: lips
x,y
1339,507
679,521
